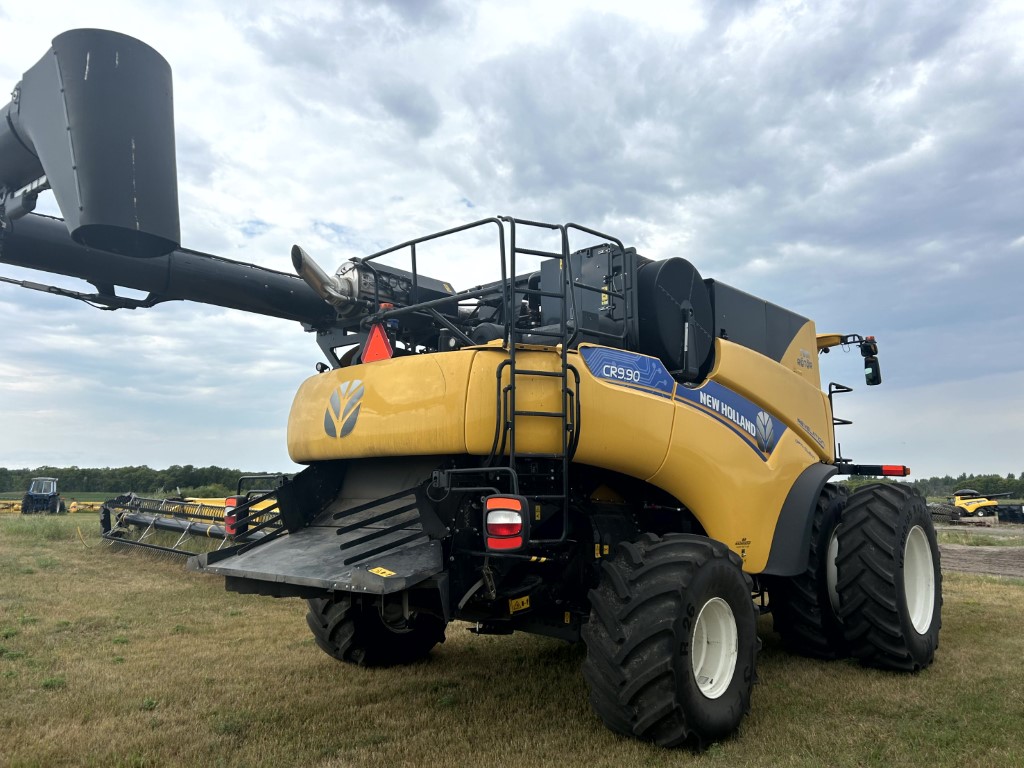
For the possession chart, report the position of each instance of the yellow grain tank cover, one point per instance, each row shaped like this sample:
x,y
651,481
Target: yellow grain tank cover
x,y
406,406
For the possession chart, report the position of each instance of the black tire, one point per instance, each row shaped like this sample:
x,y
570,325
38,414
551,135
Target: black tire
x,y
941,513
805,608
890,580
354,632
646,622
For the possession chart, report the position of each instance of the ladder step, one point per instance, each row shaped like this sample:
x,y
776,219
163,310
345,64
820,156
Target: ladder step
x,y
540,455
559,414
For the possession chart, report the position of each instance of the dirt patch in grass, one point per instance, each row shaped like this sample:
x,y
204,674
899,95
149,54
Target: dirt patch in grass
x,y
995,561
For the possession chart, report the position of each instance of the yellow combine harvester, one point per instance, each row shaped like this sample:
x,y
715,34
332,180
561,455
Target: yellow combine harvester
x,y
970,503
593,446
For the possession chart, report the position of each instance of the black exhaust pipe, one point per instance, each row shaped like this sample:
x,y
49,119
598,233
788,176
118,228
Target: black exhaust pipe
x,y
95,115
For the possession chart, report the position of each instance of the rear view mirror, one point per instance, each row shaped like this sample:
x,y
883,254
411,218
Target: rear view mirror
x,y
872,371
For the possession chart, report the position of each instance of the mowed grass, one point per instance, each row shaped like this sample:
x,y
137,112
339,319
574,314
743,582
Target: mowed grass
x,y
120,658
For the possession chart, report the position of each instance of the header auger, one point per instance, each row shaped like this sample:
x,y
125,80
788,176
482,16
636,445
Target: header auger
x,y
593,445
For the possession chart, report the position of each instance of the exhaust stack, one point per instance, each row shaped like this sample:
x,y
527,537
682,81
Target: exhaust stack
x,y
95,116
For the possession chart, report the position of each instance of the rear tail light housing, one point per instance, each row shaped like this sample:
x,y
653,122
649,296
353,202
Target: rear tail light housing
x,y
895,470
231,527
506,523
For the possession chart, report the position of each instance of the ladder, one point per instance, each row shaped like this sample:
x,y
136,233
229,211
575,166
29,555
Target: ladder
x,y
561,336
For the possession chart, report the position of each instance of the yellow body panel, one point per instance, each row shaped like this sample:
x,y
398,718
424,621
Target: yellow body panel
x,y
801,356
407,406
790,396
537,393
699,444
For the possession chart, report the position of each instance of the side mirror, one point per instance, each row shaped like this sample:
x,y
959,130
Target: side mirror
x,y
872,371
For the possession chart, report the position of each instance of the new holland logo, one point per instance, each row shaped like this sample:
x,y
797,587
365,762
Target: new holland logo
x,y
343,409
765,431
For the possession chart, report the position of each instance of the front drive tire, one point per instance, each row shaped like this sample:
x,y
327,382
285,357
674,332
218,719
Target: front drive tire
x,y
671,641
355,632
890,580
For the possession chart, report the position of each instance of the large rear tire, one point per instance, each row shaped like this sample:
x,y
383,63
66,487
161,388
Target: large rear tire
x,y
805,608
890,580
355,632
671,641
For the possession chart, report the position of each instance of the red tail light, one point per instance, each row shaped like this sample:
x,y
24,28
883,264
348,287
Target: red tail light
x,y
507,523
229,515
895,470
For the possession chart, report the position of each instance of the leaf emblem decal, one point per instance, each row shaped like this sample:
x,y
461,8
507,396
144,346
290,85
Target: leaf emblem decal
x,y
343,408
765,431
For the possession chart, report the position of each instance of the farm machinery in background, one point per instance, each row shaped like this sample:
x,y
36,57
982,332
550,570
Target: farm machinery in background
x,y
189,526
967,503
42,498
593,446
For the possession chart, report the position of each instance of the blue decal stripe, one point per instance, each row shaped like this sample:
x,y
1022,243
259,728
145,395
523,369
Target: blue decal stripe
x,y
722,420
628,369
759,429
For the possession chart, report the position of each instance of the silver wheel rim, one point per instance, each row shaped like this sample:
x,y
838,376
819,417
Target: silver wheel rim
x,y
831,572
715,647
919,579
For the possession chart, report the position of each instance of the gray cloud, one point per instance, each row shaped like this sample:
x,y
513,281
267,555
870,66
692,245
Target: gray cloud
x,y
858,163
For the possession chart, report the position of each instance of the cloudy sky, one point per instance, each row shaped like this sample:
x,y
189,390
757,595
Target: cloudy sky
x,y
860,163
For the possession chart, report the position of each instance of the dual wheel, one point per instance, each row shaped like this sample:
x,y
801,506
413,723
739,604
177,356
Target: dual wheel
x,y
873,585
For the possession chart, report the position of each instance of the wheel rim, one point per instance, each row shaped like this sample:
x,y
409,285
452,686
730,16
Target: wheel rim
x,y
919,579
715,646
831,572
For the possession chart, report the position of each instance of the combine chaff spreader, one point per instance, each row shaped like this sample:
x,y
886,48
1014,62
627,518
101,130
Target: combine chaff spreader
x,y
589,444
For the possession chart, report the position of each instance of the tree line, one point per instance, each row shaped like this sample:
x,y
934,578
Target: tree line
x,y
947,484
219,481
186,480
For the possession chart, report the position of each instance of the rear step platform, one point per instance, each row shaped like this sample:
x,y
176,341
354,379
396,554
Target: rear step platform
x,y
311,558
361,542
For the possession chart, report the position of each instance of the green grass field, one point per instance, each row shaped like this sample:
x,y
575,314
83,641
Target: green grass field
x,y
120,658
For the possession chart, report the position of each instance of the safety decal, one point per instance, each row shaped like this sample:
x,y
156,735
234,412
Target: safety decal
x,y
629,369
517,604
760,429
381,571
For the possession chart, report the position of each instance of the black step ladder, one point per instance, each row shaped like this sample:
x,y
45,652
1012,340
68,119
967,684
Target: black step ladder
x,y
561,336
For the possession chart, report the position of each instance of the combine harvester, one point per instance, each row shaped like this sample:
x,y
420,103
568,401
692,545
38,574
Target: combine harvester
x,y
593,446
967,504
